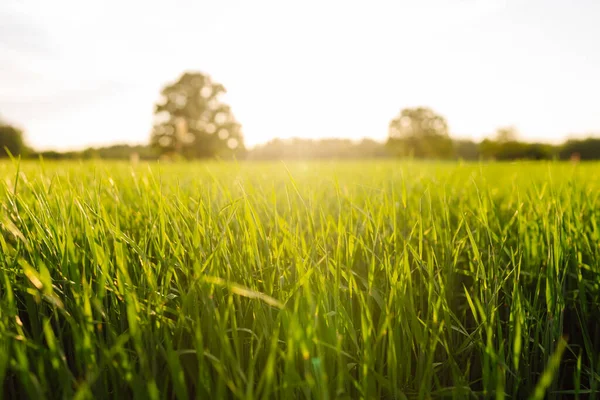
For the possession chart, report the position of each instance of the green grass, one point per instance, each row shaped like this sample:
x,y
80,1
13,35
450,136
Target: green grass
x,y
386,280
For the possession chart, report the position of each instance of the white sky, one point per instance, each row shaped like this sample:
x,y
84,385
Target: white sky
x,y
78,73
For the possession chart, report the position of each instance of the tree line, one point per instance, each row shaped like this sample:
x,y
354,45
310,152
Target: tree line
x,y
191,121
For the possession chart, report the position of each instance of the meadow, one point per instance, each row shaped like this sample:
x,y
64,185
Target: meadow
x,y
321,280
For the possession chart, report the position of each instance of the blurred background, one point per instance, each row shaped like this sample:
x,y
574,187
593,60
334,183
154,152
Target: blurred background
x,y
448,79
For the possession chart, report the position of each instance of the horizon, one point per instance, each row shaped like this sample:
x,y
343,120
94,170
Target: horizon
x,y
309,71
354,141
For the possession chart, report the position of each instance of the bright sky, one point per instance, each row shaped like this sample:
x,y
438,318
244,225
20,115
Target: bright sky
x,y
77,73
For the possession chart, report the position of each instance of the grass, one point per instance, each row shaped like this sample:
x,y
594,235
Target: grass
x,y
370,280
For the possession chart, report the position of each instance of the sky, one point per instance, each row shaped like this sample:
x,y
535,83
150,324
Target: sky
x,y
75,74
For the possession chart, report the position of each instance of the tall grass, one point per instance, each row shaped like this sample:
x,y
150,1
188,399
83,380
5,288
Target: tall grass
x,y
324,280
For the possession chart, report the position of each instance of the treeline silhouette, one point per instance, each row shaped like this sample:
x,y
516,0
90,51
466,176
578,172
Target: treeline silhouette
x,y
113,152
583,149
345,149
191,122
330,148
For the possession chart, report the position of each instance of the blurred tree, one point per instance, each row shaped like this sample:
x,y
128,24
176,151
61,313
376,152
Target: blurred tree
x,y
11,139
489,149
508,147
421,133
581,149
515,150
466,149
507,134
192,121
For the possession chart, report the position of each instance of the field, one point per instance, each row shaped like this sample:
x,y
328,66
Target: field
x,y
379,279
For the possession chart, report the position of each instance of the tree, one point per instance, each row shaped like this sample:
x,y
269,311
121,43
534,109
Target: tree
x,y
420,132
466,150
507,134
11,139
581,149
507,147
192,121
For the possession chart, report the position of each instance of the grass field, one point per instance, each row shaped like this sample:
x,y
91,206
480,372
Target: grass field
x,y
369,280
